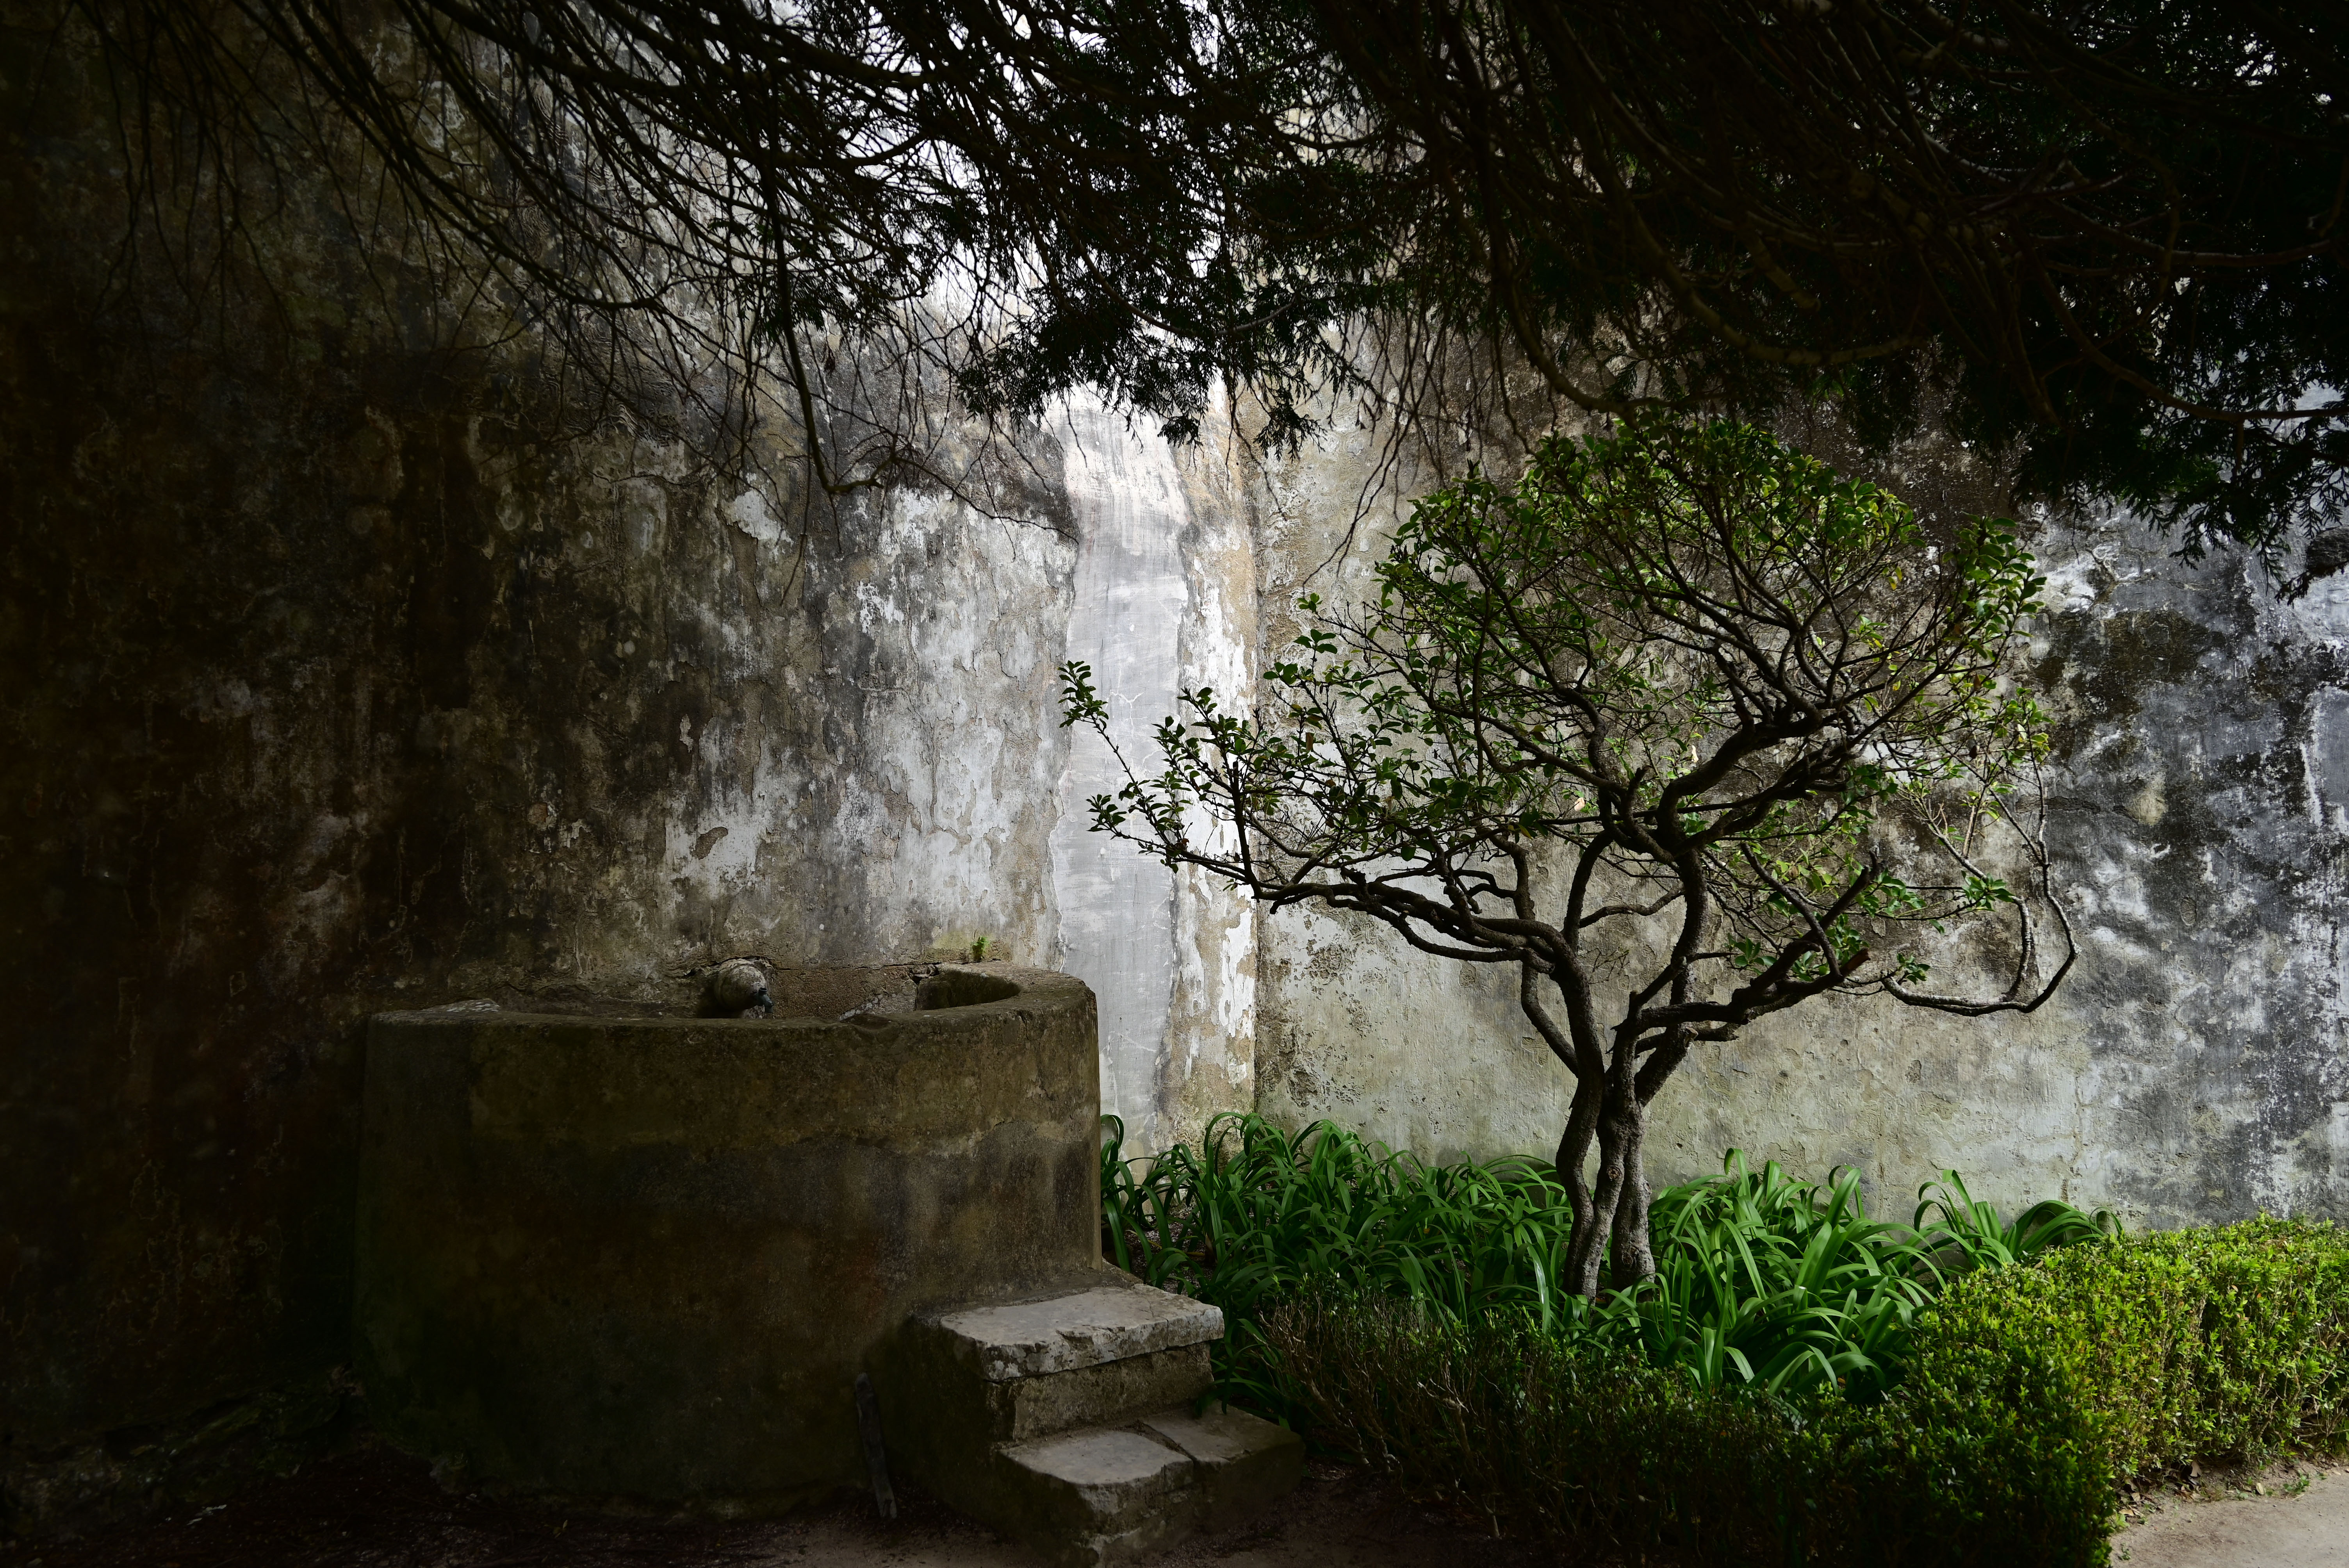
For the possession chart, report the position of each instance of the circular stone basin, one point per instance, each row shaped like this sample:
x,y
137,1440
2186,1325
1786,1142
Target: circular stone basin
x,y
621,1251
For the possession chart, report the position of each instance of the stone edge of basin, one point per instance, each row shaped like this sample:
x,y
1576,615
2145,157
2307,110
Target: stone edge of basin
x,y
1035,989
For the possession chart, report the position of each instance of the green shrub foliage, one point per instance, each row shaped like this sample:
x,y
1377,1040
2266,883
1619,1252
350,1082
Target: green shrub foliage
x,y
2031,1392
2177,1346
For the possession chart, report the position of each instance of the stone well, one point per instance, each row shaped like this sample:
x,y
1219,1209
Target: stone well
x,y
615,1252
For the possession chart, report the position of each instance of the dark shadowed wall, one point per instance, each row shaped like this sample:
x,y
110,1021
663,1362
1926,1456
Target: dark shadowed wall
x,y
343,667
352,659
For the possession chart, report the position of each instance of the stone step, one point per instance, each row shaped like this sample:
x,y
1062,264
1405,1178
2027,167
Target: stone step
x,y
1116,1320
1015,1372
1066,1421
1104,1495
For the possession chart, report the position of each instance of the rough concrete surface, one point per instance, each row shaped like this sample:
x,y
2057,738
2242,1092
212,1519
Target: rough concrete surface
x,y
2285,1525
1036,1418
1110,1322
943,1411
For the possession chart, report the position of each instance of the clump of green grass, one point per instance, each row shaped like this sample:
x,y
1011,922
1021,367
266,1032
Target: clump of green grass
x,y
1253,1213
1765,1280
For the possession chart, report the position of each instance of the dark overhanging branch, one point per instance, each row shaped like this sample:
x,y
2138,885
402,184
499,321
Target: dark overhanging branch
x,y
2027,948
1703,209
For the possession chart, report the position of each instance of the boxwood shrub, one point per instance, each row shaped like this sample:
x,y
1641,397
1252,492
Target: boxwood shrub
x,y
2031,1394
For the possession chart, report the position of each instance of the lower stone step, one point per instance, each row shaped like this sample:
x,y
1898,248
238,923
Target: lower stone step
x,y
1105,1495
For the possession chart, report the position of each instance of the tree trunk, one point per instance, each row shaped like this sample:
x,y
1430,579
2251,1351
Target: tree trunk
x,y
1582,1247
1590,1252
1635,1255
1586,1237
1620,1206
1634,1259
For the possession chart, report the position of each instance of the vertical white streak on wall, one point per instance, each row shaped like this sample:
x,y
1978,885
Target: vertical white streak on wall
x,y
1211,1035
1117,907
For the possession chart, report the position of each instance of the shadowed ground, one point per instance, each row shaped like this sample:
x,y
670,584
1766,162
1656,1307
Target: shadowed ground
x,y
374,1509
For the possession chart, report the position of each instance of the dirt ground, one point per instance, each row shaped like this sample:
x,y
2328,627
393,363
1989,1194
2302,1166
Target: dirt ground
x,y
374,1509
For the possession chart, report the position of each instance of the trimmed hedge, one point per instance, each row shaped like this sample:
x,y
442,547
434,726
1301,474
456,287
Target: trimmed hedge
x,y
2031,1394
2179,1344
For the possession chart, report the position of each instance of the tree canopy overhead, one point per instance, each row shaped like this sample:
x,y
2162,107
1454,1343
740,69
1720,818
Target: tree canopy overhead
x,y
2116,224
2102,239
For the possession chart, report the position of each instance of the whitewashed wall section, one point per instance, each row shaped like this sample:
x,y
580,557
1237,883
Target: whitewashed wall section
x,y
1163,603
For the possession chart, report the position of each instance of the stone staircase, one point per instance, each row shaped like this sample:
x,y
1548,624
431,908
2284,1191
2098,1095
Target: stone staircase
x,y
1067,1422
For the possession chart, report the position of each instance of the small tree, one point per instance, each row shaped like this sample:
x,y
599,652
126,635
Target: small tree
x,y
1676,673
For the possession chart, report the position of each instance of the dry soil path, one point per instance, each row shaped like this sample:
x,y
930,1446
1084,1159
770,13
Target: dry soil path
x,y
1333,1520
1347,1523
2300,1519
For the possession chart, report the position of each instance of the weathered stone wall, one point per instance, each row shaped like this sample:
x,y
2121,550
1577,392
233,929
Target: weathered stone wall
x,y
2192,1067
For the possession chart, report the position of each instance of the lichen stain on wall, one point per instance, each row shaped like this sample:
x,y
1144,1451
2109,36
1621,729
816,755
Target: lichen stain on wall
x,y
2209,875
